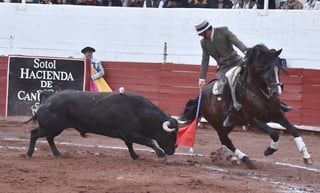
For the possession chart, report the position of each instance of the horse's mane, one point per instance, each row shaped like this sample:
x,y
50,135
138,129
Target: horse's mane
x,y
263,59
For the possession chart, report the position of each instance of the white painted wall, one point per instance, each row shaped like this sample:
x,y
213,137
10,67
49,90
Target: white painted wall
x,y
137,34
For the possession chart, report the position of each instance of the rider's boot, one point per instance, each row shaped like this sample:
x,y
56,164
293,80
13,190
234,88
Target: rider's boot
x,y
285,107
229,115
228,121
232,104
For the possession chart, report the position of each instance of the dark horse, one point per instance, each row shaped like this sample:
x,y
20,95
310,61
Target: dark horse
x,y
258,89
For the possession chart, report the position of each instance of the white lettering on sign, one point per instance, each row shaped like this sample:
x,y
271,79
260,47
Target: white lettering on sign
x,y
26,73
31,96
46,64
46,84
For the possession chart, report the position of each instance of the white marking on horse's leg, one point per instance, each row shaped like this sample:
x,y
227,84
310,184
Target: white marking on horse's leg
x,y
230,155
277,79
302,147
239,154
226,151
274,145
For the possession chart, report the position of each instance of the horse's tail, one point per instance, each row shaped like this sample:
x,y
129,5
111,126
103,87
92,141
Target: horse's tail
x,y
189,113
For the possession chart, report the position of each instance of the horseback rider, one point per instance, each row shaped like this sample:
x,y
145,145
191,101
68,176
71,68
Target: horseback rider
x,y
218,43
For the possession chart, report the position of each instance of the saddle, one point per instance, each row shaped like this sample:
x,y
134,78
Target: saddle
x,y
232,74
231,67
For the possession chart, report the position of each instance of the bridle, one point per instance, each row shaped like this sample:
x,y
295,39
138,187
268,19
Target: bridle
x,y
269,88
269,91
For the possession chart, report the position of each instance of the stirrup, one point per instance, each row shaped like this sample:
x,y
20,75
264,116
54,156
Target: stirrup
x,y
237,106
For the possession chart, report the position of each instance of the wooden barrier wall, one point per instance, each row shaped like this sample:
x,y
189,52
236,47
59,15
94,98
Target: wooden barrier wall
x,y
170,86
3,84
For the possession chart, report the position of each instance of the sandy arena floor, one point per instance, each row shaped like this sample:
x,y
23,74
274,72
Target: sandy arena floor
x,y
103,165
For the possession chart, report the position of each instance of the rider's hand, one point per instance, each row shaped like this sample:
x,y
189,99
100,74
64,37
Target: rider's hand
x,y
202,83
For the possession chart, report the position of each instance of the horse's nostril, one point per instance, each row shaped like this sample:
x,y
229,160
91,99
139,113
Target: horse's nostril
x,y
274,94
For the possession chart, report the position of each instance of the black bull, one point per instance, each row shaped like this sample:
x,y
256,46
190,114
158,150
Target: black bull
x,y
127,116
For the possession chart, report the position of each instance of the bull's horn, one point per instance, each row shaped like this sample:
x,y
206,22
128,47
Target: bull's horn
x,y
165,126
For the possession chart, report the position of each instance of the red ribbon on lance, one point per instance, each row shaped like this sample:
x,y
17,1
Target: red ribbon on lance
x,y
186,135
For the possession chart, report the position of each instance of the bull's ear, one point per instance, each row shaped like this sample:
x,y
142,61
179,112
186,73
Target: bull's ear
x,y
278,52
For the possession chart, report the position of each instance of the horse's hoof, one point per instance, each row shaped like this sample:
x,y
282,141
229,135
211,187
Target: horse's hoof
x,y
248,163
269,151
234,161
308,161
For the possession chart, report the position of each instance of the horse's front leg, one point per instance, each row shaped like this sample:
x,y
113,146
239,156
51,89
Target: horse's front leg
x,y
225,140
274,146
297,138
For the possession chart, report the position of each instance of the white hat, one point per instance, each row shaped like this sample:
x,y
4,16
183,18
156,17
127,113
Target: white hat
x,y
203,26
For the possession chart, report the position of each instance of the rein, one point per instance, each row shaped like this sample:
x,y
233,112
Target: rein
x,y
268,96
264,94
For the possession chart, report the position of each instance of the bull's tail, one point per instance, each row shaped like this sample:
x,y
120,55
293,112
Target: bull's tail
x,y
43,96
189,113
33,118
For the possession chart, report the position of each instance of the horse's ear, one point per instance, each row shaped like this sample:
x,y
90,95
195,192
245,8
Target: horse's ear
x,y
278,52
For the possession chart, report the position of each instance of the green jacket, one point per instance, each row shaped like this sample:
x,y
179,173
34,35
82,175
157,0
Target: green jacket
x,y
220,48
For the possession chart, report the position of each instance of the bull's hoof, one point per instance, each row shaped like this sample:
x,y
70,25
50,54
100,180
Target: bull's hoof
x,y
83,135
60,156
25,156
57,154
28,155
269,151
135,157
308,161
248,163
162,159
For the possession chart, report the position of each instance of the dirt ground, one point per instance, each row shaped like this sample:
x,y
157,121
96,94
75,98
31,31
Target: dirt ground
x,y
103,165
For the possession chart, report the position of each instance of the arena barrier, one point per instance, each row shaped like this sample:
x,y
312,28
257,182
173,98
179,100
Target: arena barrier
x,y
170,86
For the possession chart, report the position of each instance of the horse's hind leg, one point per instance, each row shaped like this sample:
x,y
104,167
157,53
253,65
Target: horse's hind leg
x,y
297,138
